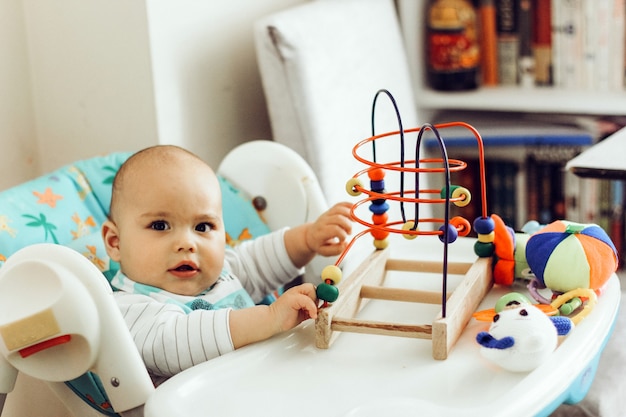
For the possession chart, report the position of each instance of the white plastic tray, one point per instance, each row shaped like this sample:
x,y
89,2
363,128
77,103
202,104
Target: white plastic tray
x,y
371,375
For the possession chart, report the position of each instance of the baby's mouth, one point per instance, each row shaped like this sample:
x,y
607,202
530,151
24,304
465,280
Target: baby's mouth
x,y
184,270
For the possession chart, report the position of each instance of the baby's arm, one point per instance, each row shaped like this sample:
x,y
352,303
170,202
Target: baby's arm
x,y
326,236
261,322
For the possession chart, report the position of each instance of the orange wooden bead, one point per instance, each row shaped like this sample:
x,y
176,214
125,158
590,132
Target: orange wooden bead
x,y
380,218
379,234
376,174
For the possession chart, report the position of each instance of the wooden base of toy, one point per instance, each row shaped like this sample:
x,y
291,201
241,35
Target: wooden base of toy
x,y
366,282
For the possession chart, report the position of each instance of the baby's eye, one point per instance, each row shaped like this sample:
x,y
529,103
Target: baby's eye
x,y
205,227
159,225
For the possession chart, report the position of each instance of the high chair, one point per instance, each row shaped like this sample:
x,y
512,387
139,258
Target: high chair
x,y
58,318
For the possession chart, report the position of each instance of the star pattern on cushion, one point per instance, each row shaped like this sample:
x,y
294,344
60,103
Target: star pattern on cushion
x,y
48,197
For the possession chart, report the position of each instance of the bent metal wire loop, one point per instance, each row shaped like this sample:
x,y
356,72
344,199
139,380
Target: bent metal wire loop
x,y
416,166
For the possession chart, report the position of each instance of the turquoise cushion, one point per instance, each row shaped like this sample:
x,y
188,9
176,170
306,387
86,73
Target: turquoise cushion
x,y
99,173
92,247
58,208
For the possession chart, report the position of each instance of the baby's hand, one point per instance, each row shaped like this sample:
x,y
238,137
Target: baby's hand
x,y
327,235
294,306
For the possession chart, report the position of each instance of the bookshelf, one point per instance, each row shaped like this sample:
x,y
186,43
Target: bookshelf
x,y
587,200
498,98
526,100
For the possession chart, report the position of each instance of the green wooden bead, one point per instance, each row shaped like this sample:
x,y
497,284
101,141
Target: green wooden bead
x,y
327,292
484,249
442,193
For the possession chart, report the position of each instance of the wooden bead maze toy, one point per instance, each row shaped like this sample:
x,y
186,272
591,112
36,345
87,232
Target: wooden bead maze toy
x,y
342,301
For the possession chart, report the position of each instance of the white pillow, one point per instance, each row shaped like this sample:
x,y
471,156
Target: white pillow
x,y
321,64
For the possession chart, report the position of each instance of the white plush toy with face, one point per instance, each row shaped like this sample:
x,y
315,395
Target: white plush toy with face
x,y
521,337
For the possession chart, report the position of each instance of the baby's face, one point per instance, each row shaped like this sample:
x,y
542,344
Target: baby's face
x,y
170,227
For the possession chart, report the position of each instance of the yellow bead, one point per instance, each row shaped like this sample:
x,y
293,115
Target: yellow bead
x,y
381,244
351,186
461,192
488,238
332,273
409,225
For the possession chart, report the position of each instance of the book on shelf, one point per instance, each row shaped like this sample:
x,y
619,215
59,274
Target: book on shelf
x,y
573,44
542,41
507,36
489,43
524,162
601,201
567,34
526,58
616,49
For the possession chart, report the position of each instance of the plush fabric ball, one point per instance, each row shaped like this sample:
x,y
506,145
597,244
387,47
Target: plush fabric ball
x,y
566,255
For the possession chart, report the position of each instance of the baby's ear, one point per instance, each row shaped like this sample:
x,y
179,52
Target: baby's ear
x,y
111,240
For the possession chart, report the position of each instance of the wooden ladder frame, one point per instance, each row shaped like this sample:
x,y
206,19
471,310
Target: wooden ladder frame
x,y
366,282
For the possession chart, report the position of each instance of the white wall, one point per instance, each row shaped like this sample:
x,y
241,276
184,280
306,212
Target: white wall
x,y
18,150
91,77
208,91
86,77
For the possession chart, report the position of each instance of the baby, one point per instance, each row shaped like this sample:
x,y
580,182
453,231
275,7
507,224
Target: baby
x,y
184,296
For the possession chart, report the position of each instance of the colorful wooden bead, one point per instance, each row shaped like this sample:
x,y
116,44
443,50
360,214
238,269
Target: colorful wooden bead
x,y
463,194
409,225
379,234
377,186
381,244
381,218
353,185
484,225
462,225
452,233
327,292
331,274
457,192
379,207
376,174
442,193
488,238
484,250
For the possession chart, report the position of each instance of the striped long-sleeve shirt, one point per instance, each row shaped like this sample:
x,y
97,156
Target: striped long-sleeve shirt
x,y
171,338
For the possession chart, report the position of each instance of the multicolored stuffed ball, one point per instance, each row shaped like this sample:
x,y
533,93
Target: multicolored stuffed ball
x,y
566,255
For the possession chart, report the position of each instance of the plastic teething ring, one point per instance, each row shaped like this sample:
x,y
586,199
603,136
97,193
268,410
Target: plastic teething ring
x,y
579,292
